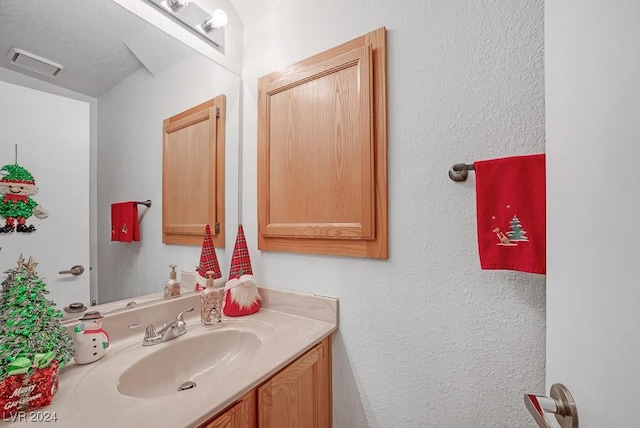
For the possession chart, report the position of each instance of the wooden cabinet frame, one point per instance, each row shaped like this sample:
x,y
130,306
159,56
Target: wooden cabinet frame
x,y
241,414
300,395
354,221
193,174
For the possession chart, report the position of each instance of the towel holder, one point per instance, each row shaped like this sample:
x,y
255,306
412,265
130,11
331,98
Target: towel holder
x,y
146,203
460,171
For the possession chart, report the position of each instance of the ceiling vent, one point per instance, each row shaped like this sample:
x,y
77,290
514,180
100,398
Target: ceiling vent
x,y
32,62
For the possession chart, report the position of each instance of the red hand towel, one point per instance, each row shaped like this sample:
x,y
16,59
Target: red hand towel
x,y
511,209
124,222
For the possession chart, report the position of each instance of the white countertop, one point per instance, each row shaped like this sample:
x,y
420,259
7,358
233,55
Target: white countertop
x,y
288,325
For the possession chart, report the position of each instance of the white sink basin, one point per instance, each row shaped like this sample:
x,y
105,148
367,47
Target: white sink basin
x,y
187,359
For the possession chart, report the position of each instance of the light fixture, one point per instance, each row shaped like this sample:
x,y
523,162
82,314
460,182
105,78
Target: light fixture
x,y
176,5
209,26
217,20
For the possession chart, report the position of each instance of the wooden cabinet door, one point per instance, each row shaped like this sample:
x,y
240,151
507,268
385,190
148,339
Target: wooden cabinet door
x,y
240,415
318,151
193,174
322,153
300,395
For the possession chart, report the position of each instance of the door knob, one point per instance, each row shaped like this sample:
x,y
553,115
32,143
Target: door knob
x,y
75,270
560,403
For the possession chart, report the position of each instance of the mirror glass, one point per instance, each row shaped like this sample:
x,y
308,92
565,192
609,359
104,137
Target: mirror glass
x,y
132,76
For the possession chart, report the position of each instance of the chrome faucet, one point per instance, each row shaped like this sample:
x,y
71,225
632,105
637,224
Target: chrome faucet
x,y
175,328
165,332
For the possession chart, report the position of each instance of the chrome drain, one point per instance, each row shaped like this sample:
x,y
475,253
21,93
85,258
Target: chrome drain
x,y
187,385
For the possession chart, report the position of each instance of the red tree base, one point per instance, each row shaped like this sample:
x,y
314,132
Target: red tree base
x,y
28,391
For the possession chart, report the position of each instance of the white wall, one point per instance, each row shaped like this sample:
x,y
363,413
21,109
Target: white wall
x,y
426,338
130,168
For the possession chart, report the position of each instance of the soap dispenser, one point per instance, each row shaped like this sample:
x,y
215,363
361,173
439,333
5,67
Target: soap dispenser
x,y
172,288
211,303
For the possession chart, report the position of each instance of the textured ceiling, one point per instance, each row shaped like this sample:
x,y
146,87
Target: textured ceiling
x,y
98,42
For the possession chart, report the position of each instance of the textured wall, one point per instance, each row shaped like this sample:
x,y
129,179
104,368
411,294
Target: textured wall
x,y
426,338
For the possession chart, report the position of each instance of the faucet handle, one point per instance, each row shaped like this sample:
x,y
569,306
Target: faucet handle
x,y
179,324
180,317
150,332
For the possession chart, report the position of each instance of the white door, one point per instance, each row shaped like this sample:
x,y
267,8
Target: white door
x,y
592,61
52,135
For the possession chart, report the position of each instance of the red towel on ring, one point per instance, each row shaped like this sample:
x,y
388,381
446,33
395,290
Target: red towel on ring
x,y
511,211
124,222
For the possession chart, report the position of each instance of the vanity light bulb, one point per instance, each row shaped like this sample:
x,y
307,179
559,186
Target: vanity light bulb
x,y
176,5
217,20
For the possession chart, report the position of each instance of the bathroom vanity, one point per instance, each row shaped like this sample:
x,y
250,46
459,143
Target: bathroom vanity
x,y
268,369
298,395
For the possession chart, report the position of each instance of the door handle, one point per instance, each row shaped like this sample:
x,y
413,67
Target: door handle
x,y
75,270
560,403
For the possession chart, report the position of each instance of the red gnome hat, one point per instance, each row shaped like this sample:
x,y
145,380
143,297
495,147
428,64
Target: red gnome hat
x,y
208,262
241,295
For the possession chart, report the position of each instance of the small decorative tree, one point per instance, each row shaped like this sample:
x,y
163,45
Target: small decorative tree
x,y
516,231
33,343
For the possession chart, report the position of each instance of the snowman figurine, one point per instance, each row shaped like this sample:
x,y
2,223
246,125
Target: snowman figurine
x,y
90,340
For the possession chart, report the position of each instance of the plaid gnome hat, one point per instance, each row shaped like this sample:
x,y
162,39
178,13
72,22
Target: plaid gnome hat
x,y
241,296
208,261
240,260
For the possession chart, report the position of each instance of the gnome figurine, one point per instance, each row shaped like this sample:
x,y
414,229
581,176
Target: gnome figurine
x,y
16,206
241,296
89,339
208,263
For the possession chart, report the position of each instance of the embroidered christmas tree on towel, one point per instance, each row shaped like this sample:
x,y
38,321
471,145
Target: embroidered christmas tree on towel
x,y
516,233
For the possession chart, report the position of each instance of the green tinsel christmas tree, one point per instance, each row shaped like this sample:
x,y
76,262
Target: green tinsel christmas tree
x,y
29,322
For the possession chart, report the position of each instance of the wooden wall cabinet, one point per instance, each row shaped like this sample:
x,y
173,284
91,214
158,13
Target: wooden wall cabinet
x,y
322,153
193,174
298,396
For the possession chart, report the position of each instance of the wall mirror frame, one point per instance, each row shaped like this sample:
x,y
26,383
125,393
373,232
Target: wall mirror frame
x,y
125,143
